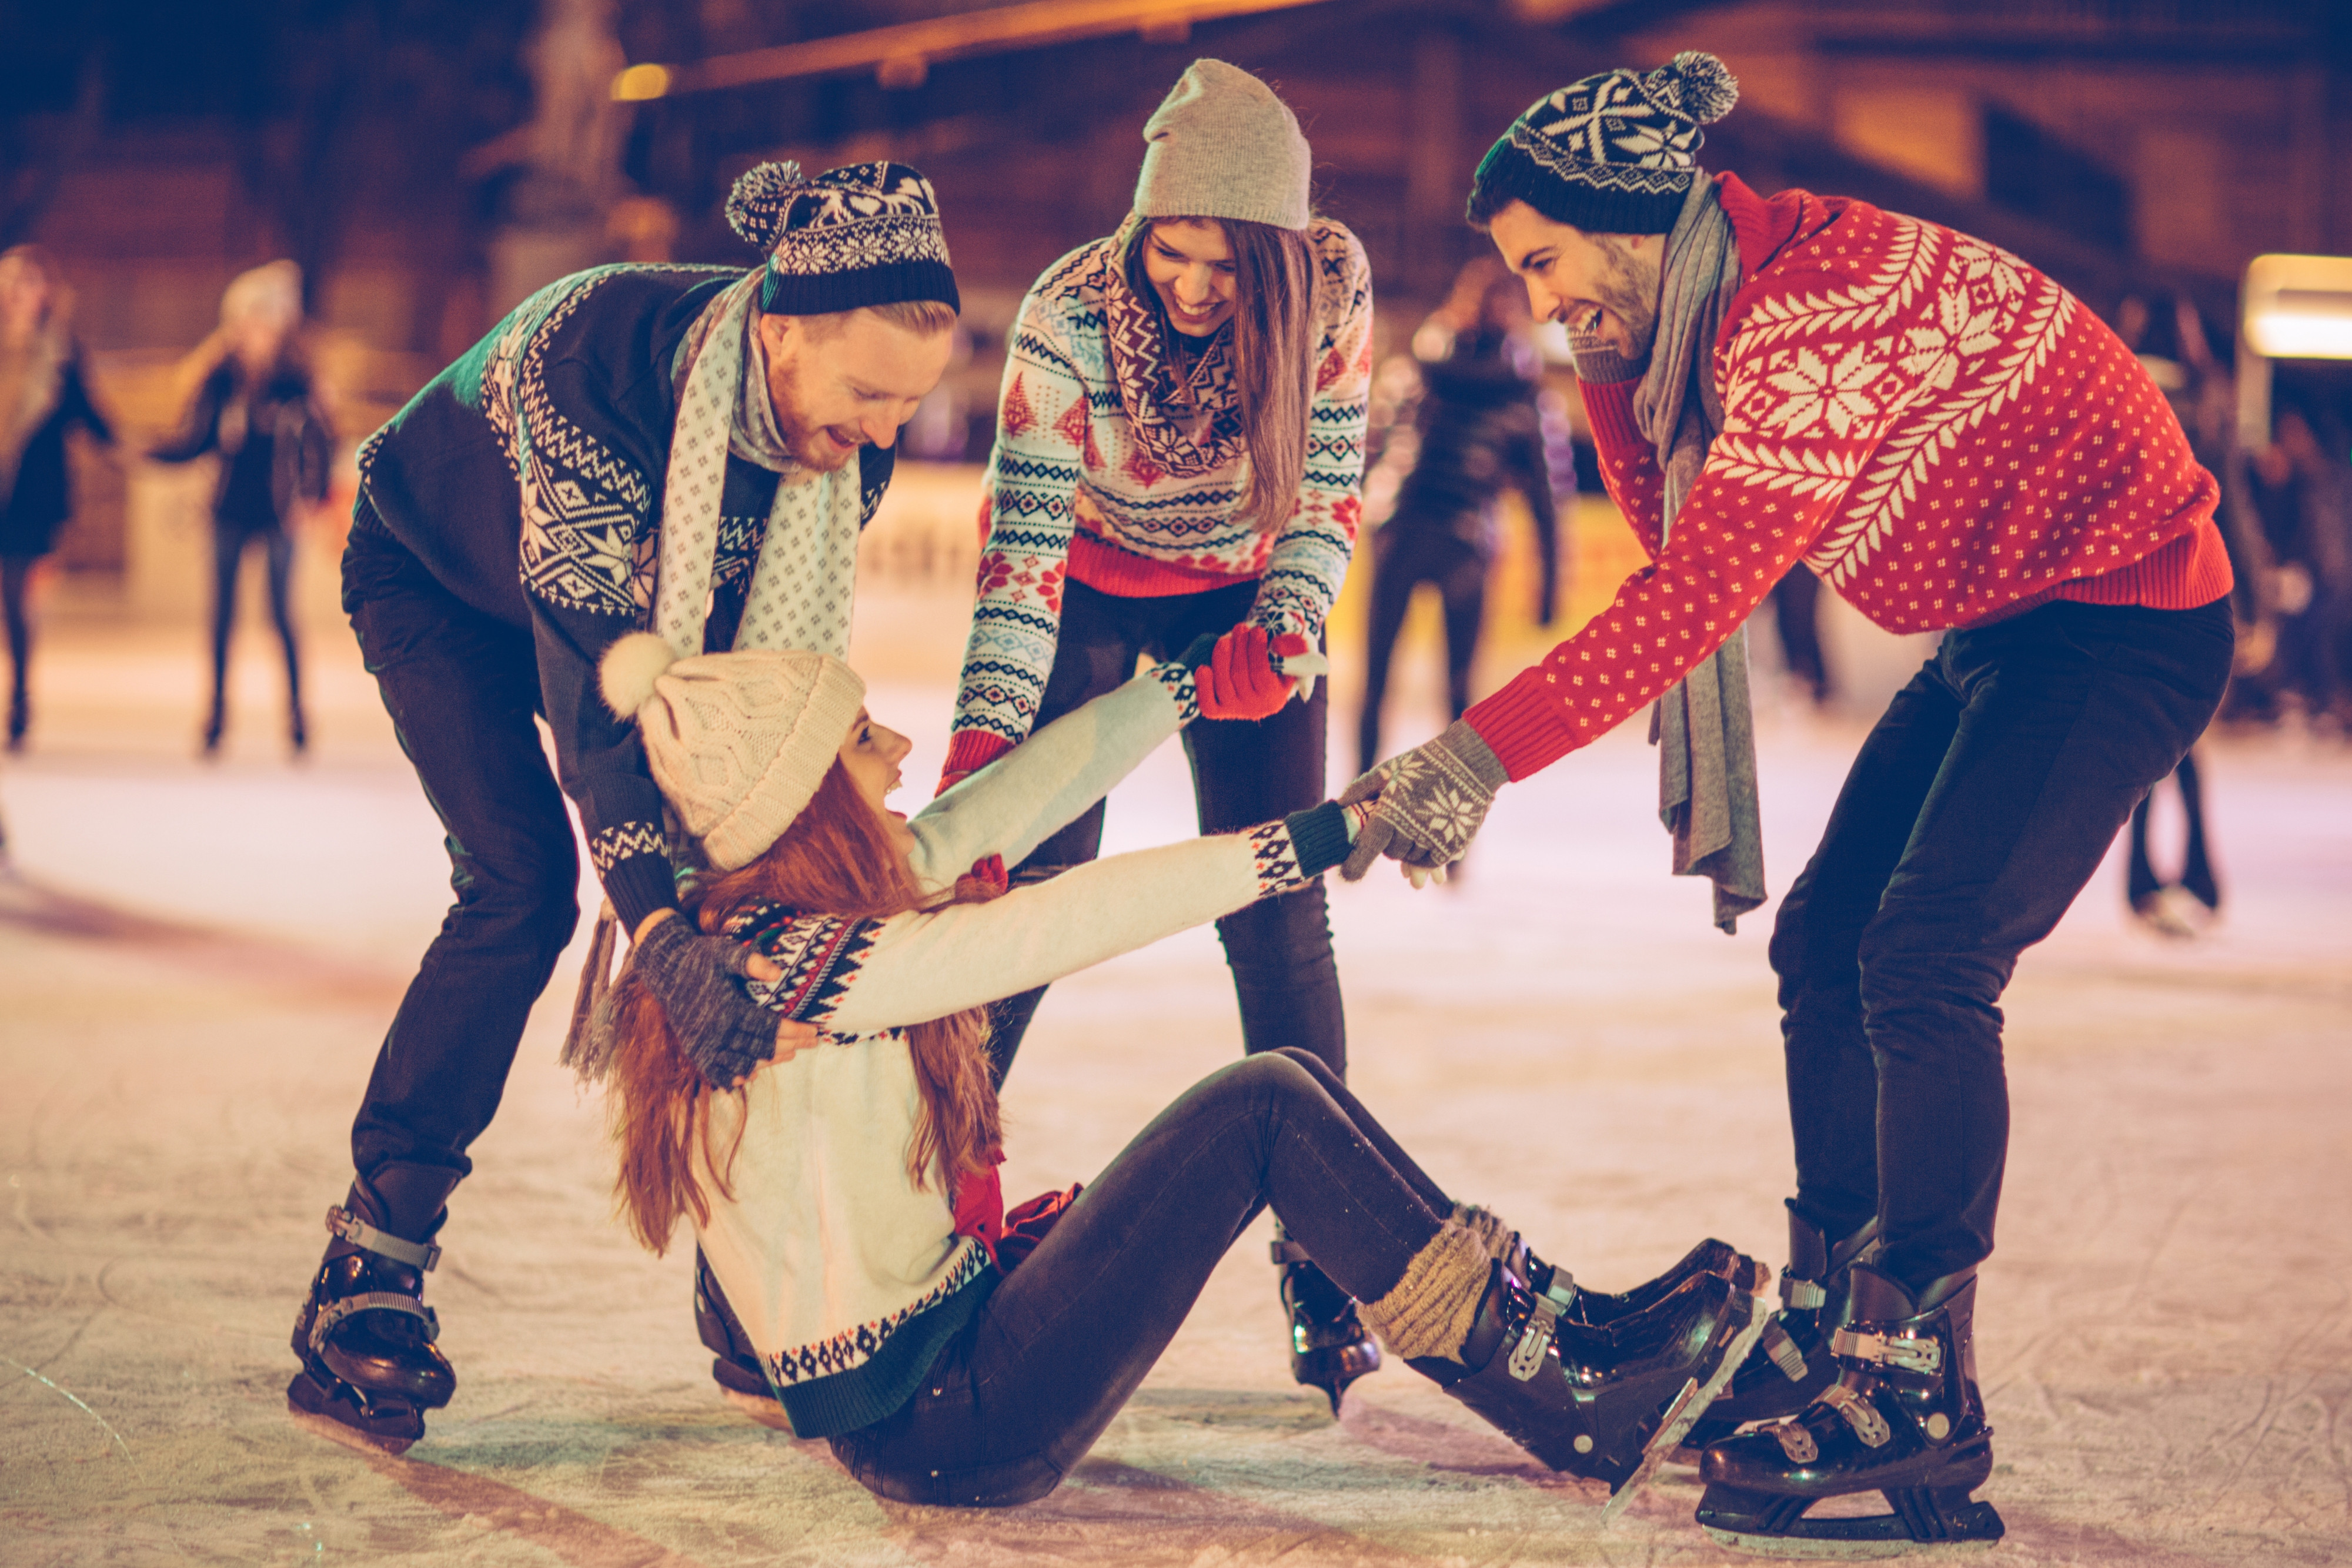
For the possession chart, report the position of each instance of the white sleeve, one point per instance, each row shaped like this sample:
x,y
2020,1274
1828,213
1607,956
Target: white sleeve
x,y
1033,791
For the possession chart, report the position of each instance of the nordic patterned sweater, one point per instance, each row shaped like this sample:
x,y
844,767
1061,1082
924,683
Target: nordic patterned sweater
x,y
1944,434
528,477
847,1277
1105,470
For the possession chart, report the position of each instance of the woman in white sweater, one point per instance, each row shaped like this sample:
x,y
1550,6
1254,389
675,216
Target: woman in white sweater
x,y
845,1196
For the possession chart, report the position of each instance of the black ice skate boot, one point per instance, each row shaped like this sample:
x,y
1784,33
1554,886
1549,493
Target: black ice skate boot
x,y
1903,1418
370,1369
1607,1403
1329,1348
734,1363
1795,1365
1600,1309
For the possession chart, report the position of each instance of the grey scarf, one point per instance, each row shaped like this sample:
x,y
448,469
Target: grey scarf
x,y
1703,728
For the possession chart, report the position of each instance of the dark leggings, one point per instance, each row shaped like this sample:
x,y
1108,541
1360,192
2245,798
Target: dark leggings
x,y
15,572
1022,1391
2140,880
229,542
1408,554
1976,811
1243,773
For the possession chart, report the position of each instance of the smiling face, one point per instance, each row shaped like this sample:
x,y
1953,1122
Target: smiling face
x,y
871,756
840,383
1190,263
1603,287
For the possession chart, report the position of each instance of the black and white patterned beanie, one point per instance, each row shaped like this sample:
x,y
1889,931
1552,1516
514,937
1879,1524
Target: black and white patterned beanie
x,y
865,233
1612,154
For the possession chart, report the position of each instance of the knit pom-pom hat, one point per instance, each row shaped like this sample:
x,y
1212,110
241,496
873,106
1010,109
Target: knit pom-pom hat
x,y
738,741
1222,145
865,233
1612,154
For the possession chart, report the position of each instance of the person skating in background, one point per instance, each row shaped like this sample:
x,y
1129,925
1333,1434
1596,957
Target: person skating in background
x,y
44,396
1797,622
255,404
1458,424
852,1227
2299,488
693,449
1180,448
1953,442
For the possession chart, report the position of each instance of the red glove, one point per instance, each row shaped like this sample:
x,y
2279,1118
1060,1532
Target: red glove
x,y
969,751
1239,681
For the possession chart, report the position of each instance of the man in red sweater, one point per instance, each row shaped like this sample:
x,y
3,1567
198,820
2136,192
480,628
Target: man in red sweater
x,y
1955,443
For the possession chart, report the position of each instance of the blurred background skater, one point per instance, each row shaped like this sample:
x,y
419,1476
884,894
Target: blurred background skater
x,y
1795,620
2299,488
1455,424
255,405
1179,448
43,395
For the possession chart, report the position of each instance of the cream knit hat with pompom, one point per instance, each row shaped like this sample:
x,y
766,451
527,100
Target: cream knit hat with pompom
x,y
739,742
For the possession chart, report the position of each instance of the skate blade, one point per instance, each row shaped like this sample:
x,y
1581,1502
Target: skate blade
x,y
1826,1549
1683,1414
766,1412
350,1437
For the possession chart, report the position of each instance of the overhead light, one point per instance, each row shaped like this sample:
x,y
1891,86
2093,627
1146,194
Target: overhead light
x,y
639,83
2299,306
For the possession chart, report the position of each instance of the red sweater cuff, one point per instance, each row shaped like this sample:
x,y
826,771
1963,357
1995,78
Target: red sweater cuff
x,y
1609,409
1522,725
969,751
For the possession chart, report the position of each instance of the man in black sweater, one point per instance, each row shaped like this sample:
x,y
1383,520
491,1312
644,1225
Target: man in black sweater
x,y
686,450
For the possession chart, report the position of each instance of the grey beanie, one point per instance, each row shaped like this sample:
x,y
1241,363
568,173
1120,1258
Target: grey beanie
x,y
1222,145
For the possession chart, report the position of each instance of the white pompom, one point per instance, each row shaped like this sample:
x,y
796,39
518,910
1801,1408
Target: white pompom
x,y
629,669
1703,86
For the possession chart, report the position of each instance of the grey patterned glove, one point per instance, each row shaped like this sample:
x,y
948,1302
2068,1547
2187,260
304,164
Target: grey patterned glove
x,y
721,1029
1432,801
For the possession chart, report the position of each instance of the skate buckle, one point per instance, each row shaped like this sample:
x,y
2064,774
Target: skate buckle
x,y
335,1311
1782,1349
1795,1441
1860,1414
1921,1355
1803,1295
1527,1359
342,1222
1288,1252
1563,1290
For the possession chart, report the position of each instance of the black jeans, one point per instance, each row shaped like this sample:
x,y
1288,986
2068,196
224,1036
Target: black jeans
x,y
1406,554
462,688
1024,1390
230,540
1280,950
1977,810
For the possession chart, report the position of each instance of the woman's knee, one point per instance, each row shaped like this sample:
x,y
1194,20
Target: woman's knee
x,y
1278,933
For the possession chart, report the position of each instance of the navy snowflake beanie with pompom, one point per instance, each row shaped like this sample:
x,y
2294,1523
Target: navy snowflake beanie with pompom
x,y
1611,155
866,234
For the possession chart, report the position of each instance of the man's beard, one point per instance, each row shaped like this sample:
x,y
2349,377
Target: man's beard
x,y
1630,292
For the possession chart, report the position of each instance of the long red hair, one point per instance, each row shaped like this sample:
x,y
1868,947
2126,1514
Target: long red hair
x,y
838,858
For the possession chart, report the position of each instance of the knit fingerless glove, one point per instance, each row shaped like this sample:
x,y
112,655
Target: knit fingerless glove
x,y
724,1033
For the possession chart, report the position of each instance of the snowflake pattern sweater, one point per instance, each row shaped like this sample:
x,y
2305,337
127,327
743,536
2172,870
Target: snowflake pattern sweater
x,y
847,1275
528,478
1944,434
1099,476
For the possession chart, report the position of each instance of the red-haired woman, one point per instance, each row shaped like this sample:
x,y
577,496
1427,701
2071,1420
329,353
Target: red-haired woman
x,y
846,1198
1179,446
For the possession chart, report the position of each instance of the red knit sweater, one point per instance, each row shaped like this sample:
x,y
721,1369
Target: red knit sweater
x,y
1943,433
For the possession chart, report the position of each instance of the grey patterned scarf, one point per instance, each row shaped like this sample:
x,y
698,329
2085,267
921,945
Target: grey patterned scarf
x,y
1703,728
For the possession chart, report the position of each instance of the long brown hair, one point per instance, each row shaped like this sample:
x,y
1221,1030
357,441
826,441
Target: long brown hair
x,y
1273,352
836,859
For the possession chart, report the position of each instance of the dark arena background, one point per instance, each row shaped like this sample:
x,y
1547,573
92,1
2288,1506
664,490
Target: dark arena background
x,y
211,901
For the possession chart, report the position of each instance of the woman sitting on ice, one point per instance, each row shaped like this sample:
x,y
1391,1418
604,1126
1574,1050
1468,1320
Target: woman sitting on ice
x,y
845,1197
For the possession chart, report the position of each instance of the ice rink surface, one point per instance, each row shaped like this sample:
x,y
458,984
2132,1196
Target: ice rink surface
x,y
199,961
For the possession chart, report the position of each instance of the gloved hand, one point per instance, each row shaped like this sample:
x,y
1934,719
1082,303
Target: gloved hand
x,y
1429,803
1239,680
721,1029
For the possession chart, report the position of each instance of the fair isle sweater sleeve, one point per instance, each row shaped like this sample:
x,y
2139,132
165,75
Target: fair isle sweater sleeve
x,y
857,976
1309,560
1032,480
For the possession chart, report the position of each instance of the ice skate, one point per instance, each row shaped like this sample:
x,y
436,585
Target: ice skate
x,y
1594,1402
1602,1309
370,1369
734,1364
1329,1346
1903,1418
1795,1363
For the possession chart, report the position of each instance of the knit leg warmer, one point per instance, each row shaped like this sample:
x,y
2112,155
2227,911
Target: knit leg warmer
x,y
1493,1232
1429,1310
